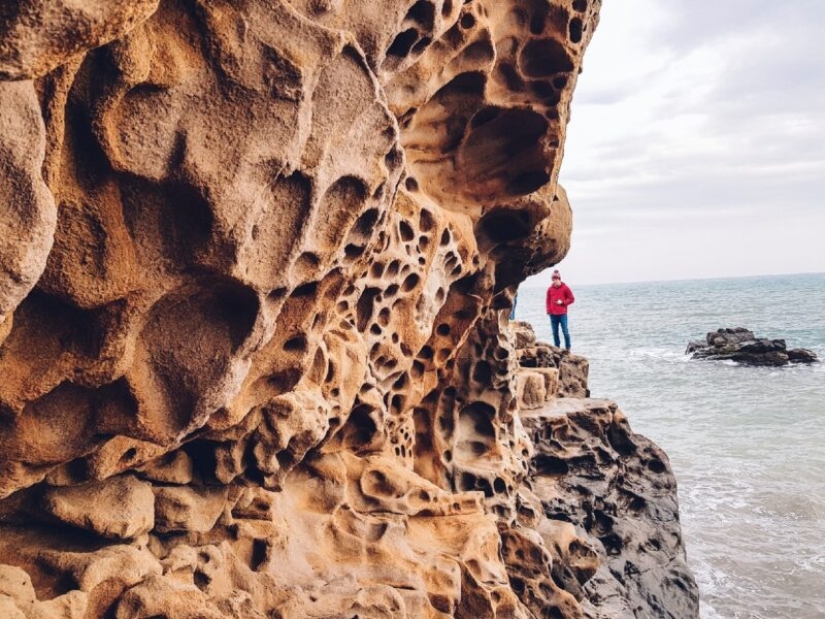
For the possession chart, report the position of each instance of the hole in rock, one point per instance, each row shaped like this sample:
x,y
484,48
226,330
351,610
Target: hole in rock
x,y
285,380
201,580
403,43
505,148
359,429
482,372
657,466
376,270
507,73
406,231
353,251
423,12
410,282
470,83
330,375
580,5
260,552
296,344
397,404
527,182
484,115
545,57
363,227
550,465
365,307
305,290
276,295
411,184
421,45
426,222
612,543
538,20
468,20
393,158
576,30
544,91
502,225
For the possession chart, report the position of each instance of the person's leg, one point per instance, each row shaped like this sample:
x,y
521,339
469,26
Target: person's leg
x,y
554,323
565,331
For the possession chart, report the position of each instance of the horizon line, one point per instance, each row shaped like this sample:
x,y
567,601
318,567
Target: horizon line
x,y
683,279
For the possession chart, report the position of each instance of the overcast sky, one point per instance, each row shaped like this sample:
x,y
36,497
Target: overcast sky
x,y
697,142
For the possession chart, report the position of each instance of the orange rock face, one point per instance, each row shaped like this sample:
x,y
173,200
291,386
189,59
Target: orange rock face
x,y
257,259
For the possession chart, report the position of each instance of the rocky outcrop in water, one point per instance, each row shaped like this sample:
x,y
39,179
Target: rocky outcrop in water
x,y
257,260
742,346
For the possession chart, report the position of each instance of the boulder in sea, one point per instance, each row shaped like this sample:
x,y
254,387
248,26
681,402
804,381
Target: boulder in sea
x,y
802,355
742,346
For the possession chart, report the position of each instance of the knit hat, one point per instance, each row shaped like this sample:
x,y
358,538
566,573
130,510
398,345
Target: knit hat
x,y
556,274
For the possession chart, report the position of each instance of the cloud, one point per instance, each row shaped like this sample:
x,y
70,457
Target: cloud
x,y
694,117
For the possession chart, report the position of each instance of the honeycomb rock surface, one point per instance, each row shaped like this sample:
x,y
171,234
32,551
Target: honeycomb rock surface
x,y
607,494
257,259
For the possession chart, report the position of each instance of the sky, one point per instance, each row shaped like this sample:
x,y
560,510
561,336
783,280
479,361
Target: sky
x,y
696,147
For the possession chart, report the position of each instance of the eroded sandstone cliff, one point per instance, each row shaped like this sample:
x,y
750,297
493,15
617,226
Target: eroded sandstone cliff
x,y
257,258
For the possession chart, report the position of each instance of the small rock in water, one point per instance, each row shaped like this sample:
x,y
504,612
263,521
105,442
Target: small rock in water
x,y
802,355
741,345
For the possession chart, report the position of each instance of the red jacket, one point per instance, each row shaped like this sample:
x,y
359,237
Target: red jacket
x,y
563,294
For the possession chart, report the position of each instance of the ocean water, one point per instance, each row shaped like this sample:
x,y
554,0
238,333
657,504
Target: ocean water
x,y
747,444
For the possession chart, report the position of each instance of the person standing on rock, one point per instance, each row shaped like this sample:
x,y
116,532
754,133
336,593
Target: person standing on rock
x,y
559,296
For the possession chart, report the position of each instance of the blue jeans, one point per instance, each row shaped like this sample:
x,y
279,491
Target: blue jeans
x,y
555,321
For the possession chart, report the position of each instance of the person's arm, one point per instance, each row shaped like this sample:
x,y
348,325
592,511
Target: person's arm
x,y
569,298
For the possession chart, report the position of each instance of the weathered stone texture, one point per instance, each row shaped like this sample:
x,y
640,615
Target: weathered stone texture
x,y
257,258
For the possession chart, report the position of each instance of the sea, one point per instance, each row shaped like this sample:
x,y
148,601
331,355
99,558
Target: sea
x,y
747,444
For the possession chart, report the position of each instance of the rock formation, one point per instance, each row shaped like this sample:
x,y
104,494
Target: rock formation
x,y
742,346
608,494
257,258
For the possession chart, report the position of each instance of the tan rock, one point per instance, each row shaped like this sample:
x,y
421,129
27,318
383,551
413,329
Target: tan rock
x,y
72,605
174,468
16,584
118,508
532,390
28,217
38,36
158,597
9,609
188,508
551,380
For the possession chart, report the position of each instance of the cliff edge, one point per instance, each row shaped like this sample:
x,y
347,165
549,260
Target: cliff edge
x,y
257,260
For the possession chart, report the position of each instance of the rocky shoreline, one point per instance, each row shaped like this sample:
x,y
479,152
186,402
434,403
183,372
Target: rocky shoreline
x,y
607,492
